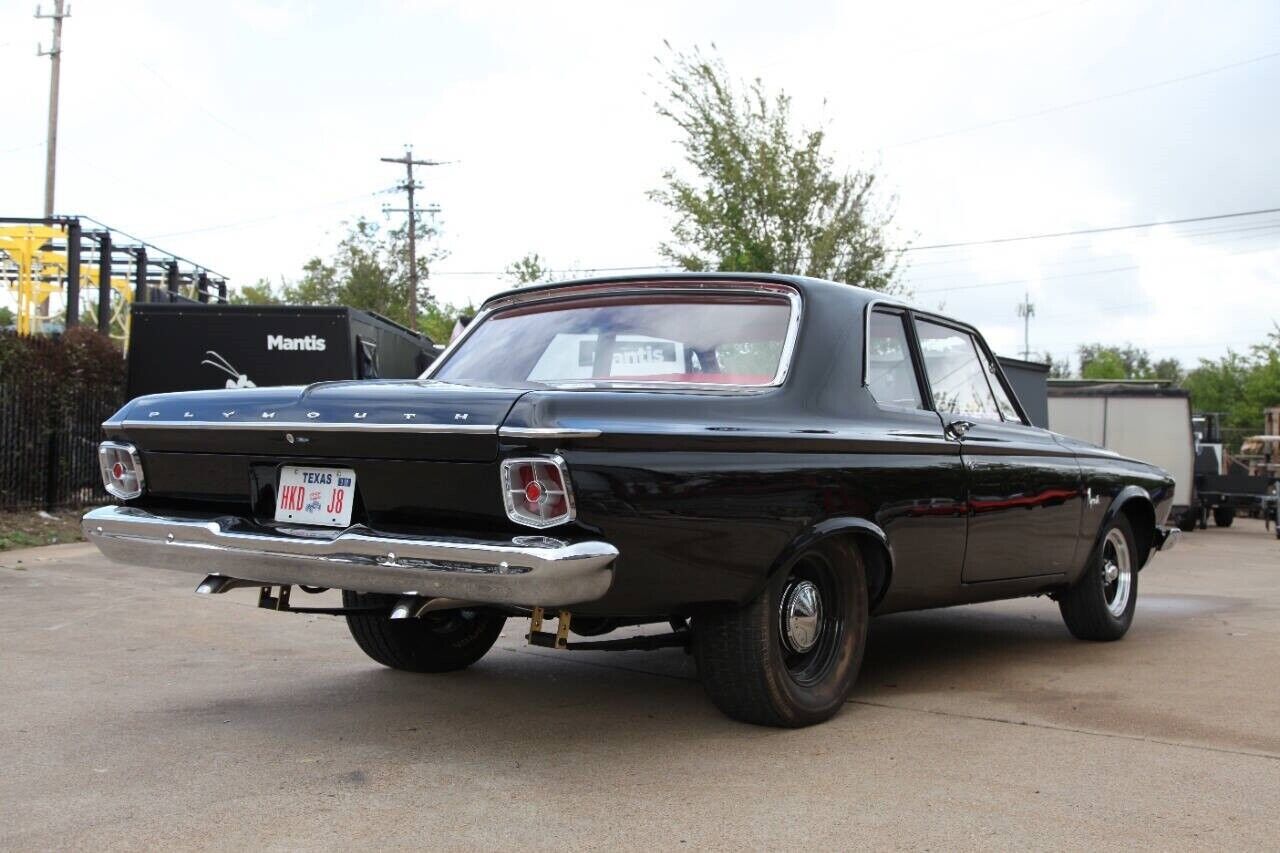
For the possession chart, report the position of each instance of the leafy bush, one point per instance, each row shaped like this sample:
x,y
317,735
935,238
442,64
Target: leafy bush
x,y
55,392
79,358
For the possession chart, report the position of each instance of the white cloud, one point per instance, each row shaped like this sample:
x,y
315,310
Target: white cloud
x,y
250,131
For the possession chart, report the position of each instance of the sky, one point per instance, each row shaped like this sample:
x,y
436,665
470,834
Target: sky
x,y
244,134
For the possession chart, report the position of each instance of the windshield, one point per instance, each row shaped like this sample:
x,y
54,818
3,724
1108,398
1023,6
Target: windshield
x,y
694,339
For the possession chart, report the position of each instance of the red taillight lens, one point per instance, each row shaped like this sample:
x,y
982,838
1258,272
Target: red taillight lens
x,y
536,491
121,469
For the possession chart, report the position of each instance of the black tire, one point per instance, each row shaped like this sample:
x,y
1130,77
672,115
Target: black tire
x,y
443,641
1223,516
746,664
1187,521
1090,607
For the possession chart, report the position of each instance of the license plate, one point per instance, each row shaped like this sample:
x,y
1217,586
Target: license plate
x,y
316,495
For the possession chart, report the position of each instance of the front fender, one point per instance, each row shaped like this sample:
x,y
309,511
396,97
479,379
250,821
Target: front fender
x,y
876,551
1144,526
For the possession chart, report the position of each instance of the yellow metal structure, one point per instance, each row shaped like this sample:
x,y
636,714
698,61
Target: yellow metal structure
x,y
36,274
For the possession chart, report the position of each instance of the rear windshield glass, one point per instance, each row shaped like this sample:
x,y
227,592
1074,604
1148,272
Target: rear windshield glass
x,y
695,339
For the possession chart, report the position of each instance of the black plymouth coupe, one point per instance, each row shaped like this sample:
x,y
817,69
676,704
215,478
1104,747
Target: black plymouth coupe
x,y
757,463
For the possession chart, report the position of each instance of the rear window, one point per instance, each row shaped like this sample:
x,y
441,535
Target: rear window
x,y
693,339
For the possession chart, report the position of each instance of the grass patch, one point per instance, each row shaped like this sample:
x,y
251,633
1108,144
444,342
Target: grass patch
x,y
29,529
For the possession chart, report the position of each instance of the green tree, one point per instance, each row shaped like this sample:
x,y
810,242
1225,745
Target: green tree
x,y
438,319
763,196
1100,361
1105,363
368,270
6,316
530,269
1217,385
1058,368
1167,368
261,292
1238,385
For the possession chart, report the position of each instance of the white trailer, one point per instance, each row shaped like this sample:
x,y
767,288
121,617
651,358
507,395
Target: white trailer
x,y
1141,420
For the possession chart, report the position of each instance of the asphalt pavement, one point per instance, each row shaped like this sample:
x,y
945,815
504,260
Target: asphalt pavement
x,y
136,715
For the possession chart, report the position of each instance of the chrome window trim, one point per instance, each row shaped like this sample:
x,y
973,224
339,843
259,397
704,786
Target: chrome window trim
x,y
660,287
961,326
866,334
903,313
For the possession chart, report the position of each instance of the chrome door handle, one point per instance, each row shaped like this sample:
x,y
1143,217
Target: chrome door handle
x,y
958,429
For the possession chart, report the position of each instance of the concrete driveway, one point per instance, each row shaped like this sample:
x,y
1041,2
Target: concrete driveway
x,y
134,714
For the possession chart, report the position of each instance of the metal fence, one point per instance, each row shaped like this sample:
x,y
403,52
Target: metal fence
x,y
49,444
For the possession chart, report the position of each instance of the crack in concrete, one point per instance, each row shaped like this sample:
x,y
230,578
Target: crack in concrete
x,y
1117,735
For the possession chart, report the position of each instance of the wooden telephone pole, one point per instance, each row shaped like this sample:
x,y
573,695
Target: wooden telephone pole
x,y
55,67
410,186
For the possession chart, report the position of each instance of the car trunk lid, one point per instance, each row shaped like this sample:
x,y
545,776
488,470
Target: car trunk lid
x,y
415,419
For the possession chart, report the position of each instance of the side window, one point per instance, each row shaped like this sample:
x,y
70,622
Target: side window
x,y
890,375
1003,403
956,373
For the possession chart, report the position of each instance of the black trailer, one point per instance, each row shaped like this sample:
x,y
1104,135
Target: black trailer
x,y
180,347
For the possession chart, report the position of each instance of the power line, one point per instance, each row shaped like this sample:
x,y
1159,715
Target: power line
x,y
1085,245
1083,273
961,244
1012,281
1086,101
268,218
1083,231
142,242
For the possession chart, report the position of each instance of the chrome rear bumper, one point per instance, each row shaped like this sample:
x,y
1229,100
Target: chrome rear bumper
x,y
1167,538
524,571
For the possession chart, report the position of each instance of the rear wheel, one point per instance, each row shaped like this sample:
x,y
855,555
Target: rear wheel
x,y
1223,516
441,641
789,658
1100,606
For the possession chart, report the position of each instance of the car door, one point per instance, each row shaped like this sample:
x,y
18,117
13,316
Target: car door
x,y
918,482
1023,487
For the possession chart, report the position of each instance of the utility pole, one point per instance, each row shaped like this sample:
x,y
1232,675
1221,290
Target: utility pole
x,y
55,62
1026,310
409,186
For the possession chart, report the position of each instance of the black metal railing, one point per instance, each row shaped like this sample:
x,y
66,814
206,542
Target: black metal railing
x,y
49,444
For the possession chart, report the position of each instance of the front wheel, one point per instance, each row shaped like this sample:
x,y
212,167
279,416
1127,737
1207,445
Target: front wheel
x,y
1100,606
790,657
1223,516
440,641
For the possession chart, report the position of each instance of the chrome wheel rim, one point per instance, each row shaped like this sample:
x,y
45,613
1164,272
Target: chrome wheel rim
x,y
810,621
1117,574
801,616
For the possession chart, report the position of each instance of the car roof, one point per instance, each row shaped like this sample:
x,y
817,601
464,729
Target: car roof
x,y
806,285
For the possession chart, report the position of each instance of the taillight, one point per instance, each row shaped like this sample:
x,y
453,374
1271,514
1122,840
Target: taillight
x,y
121,469
536,491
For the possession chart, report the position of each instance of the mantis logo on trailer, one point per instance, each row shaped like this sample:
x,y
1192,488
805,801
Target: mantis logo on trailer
x,y
313,343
